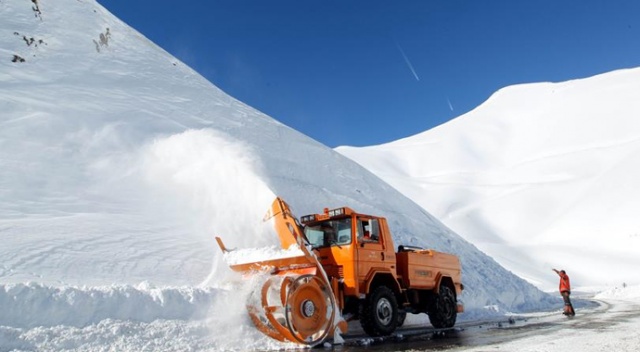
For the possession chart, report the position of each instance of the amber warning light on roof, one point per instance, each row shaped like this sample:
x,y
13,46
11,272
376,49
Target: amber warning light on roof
x,y
336,212
327,214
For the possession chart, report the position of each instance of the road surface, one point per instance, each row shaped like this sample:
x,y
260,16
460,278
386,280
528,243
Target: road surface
x,y
550,328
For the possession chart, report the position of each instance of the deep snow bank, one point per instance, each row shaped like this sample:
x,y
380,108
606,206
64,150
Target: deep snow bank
x,y
125,317
31,305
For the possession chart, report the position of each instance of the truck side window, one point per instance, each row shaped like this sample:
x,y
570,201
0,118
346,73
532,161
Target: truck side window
x,y
375,230
368,230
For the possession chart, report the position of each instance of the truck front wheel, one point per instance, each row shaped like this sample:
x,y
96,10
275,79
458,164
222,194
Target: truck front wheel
x,y
379,314
443,311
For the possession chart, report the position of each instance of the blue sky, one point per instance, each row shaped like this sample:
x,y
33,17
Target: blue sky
x,y
370,72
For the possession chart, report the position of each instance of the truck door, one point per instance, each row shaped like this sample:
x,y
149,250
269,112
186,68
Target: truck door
x,y
370,248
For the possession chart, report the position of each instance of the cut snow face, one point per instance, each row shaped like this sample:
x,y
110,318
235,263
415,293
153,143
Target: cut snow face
x,y
128,318
121,164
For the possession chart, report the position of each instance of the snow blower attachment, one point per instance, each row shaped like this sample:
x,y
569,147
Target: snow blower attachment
x,y
347,269
296,303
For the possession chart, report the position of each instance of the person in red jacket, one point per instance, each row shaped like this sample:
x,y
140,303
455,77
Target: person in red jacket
x,y
565,291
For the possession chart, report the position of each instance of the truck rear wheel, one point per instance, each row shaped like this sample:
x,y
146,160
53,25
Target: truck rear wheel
x,y
379,314
444,309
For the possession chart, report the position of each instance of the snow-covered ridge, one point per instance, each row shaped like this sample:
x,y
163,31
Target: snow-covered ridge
x,y
541,175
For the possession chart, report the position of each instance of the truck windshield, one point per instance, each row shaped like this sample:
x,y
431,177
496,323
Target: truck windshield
x,y
329,233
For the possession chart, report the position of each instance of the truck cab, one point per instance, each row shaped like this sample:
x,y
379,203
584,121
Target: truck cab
x,y
351,247
357,251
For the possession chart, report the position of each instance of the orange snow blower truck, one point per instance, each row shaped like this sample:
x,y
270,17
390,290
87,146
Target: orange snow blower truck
x,y
347,268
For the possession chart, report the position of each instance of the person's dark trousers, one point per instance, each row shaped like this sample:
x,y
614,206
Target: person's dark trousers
x,y
568,307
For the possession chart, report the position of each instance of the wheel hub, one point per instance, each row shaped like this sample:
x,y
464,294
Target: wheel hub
x,y
308,308
384,311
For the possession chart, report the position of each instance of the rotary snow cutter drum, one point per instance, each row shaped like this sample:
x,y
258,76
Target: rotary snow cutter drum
x,y
295,308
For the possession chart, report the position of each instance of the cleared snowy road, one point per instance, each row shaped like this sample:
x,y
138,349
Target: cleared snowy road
x,y
611,325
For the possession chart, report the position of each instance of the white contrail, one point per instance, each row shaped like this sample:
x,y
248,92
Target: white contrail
x,y
406,59
450,106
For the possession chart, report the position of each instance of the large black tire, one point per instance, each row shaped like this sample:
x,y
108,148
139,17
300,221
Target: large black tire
x,y
443,311
379,314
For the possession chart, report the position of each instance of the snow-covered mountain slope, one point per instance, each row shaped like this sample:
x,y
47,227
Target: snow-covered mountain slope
x,y
120,164
539,176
